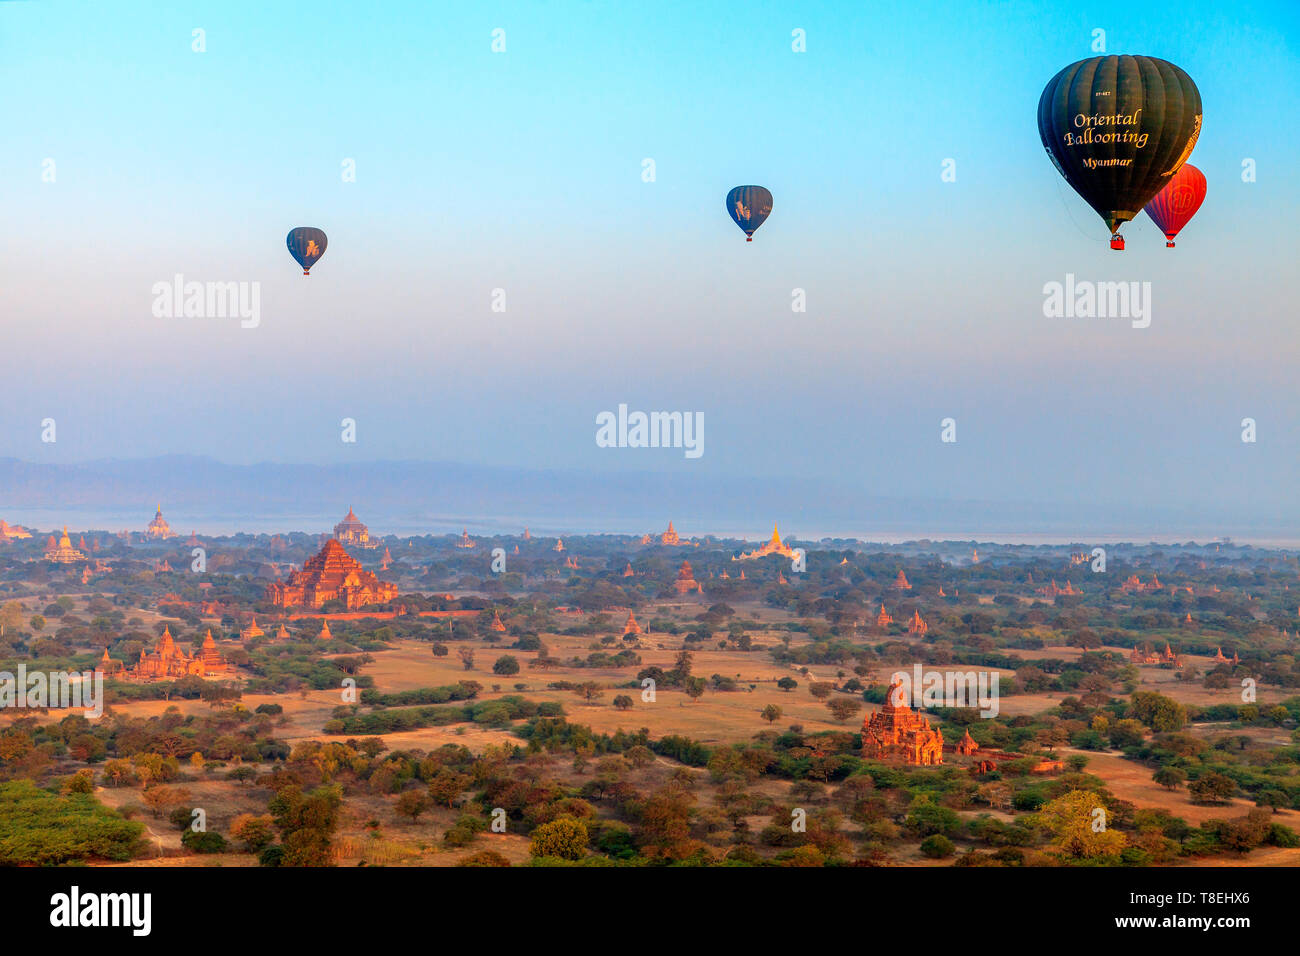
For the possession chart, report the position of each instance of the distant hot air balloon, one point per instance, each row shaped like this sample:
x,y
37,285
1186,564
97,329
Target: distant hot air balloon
x,y
1177,203
306,244
749,207
1118,128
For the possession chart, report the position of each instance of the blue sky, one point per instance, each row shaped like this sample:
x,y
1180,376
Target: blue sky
x,y
522,171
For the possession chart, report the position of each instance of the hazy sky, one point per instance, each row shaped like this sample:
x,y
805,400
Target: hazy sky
x,y
522,171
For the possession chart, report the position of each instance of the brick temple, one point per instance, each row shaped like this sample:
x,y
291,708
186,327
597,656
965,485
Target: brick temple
x,y
351,531
330,575
158,528
897,732
774,546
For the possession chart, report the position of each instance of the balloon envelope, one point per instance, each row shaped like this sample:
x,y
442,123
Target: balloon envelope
x,y
306,244
1177,203
749,206
1118,128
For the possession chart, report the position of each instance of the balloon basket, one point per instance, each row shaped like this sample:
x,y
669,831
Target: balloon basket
x,y
749,238
1169,244
1117,243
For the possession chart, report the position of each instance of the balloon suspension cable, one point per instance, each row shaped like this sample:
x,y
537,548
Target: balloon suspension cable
x,y
1070,212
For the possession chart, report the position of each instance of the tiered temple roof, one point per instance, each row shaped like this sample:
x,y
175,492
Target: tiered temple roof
x,y
1052,590
332,574
897,732
774,546
63,552
686,582
351,531
158,527
1145,655
170,662
1135,584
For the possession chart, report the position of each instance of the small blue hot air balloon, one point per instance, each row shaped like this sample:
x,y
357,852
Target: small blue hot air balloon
x,y
749,206
306,244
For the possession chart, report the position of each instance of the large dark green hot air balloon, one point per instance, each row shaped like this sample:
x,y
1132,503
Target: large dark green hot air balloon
x,y
749,206
1117,128
306,244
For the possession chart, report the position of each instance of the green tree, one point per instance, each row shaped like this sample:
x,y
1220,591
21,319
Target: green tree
x,y
1212,788
1273,799
564,837
937,846
11,615
1162,714
1080,826
842,708
925,817
447,785
412,803
695,687
1171,778
255,831
306,823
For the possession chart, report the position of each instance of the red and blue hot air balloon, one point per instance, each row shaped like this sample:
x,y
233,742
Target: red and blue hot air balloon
x,y
1177,203
307,245
749,206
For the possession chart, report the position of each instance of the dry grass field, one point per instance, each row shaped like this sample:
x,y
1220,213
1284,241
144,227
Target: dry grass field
x,y
372,833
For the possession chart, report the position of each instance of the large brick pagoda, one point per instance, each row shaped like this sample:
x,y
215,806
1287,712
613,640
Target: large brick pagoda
x,y
332,574
900,733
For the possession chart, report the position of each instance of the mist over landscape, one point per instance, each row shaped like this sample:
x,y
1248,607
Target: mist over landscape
x,y
417,497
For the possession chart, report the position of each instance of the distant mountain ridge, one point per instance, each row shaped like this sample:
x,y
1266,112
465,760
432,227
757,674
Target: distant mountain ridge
x,y
437,496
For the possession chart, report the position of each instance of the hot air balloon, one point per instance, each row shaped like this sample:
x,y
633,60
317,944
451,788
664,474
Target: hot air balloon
x,y
1118,128
1177,203
306,244
749,207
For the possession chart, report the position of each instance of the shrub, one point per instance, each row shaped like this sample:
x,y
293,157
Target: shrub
x,y
563,837
484,858
206,842
936,846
